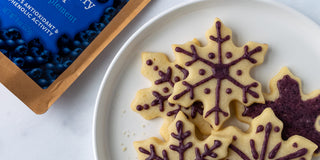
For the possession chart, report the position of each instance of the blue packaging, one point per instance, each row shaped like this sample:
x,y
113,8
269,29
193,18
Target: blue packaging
x,y
45,45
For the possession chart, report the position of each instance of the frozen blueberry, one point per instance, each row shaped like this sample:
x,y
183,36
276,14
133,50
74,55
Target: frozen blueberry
x,y
97,26
5,52
59,68
10,44
29,60
91,35
81,36
3,35
110,11
75,53
67,63
35,43
40,60
64,51
43,83
50,66
85,44
35,73
18,61
76,44
119,3
50,74
34,51
2,43
57,59
13,34
21,50
105,19
45,54
20,42
63,41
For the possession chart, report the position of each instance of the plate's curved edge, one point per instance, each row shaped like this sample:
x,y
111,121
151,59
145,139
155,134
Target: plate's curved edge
x,y
108,73
292,10
113,62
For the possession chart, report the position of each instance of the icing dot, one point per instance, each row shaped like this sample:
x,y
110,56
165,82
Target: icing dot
x,y
276,129
155,68
234,138
228,90
295,145
207,91
228,54
149,62
176,79
165,90
255,84
146,106
139,108
260,128
239,72
202,71
211,55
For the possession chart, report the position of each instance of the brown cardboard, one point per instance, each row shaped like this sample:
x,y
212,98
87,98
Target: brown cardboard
x,y
39,100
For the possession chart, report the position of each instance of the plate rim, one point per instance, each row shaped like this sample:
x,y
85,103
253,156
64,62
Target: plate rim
x,y
115,59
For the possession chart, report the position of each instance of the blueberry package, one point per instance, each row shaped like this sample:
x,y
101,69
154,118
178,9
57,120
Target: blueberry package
x,y
45,45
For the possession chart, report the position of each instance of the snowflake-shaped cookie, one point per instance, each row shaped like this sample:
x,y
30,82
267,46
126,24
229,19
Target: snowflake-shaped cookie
x,y
299,112
153,102
218,73
263,141
182,144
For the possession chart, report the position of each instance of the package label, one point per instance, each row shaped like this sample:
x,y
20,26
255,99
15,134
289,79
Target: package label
x,y
44,37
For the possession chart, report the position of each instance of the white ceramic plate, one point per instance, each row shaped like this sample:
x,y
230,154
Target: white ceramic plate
x,y
293,41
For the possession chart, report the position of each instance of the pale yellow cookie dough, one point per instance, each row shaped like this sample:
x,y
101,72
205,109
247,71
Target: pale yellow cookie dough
x,y
263,141
219,73
182,144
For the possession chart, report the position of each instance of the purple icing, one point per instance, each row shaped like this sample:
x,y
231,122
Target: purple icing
x,y
228,90
276,129
146,106
208,152
263,152
234,138
139,108
155,68
165,77
228,54
202,72
177,79
220,71
159,100
239,72
211,55
294,155
298,116
181,136
295,145
260,128
153,154
274,151
149,62
165,89
196,107
207,90
254,152
184,71
266,140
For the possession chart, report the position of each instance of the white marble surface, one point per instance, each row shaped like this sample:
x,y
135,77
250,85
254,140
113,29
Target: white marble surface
x,y
65,131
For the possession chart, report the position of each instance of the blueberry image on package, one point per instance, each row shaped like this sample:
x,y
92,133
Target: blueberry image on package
x,y
44,38
46,45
